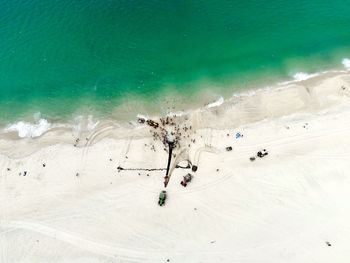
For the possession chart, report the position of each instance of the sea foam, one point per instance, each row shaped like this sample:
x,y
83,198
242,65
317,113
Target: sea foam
x,y
346,63
29,130
176,114
84,124
300,76
216,103
140,116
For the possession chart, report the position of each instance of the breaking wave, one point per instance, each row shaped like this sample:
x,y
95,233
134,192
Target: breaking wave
x,y
29,130
79,124
300,76
346,63
216,103
26,129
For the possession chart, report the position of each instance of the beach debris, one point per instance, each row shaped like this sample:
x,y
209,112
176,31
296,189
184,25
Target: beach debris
x,y
229,148
44,165
186,180
328,244
77,174
217,170
153,124
162,197
8,169
194,168
110,159
252,159
24,173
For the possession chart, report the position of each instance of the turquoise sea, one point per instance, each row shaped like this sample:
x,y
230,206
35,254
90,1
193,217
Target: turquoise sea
x,y
60,57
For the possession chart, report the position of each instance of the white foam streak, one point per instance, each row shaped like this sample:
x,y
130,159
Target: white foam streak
x,y
346,63
300,76
176,114
29,130
144,117
216,103
84,124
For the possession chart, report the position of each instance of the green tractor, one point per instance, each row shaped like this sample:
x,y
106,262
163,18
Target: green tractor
x,y
162,197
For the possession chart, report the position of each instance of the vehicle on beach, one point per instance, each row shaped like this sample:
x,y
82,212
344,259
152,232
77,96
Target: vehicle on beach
x,y
186,180
162,197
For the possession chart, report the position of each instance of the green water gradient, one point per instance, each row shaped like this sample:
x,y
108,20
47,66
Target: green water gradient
x,y
59,56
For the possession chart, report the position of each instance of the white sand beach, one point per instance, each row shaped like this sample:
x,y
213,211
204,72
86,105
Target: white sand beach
x,y
74,205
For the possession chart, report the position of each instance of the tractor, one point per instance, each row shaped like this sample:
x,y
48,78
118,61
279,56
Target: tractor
x,y
162,197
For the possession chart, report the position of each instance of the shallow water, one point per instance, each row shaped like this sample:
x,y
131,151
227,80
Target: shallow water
x,y
64,58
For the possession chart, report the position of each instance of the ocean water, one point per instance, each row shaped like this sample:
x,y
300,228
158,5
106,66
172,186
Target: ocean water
x,y
69,57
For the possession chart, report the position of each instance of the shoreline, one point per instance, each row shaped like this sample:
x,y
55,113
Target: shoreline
x,y
82,125
310,96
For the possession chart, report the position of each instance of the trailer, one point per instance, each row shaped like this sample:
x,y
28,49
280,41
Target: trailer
x,y
186,180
